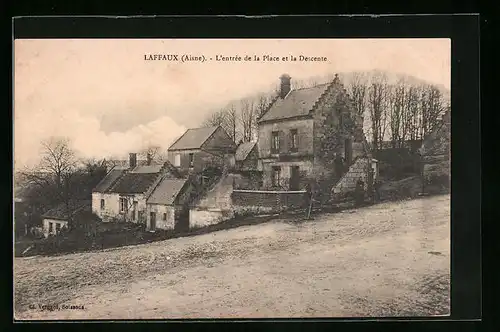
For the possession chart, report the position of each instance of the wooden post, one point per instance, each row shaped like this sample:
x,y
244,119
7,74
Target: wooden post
x,y
310,208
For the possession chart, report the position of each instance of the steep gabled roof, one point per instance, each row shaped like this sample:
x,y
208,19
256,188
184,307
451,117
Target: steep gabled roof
x,y
193,138
244,150
113,175
297,103
134,183
167,191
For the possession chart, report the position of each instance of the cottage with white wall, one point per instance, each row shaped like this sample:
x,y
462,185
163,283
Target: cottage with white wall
x,y
167,205
122,194
58,218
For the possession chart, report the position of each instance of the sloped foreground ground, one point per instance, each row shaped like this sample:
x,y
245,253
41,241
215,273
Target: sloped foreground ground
x,y
390,259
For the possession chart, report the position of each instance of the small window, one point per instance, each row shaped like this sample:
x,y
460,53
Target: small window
x,y
103,203
164,216
123,204
51,227
276,176
191,160
177,160
275,147
293,140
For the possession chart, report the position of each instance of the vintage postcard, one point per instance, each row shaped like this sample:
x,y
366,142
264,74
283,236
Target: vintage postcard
x,y
231,178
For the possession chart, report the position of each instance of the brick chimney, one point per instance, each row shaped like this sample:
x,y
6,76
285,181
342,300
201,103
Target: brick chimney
x,y
149,159
285,86
132,160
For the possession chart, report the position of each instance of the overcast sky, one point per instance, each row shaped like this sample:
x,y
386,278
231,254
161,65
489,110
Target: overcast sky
x,y
108,100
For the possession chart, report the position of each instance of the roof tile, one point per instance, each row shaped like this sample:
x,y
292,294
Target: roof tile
x,y
297,103
193,138
166,192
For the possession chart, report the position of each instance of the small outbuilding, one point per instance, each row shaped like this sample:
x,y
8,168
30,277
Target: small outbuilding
x,y
58,218
167,205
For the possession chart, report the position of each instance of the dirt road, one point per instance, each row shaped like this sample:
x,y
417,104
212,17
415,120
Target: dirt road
x,y
390,259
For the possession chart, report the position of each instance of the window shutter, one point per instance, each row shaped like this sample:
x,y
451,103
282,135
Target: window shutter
x,y
297,139
281,135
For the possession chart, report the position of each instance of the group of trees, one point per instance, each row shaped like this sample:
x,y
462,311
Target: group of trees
x,y
399,111
59,178
239,119
396,109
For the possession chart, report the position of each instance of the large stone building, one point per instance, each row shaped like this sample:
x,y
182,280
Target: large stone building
x,y
302,130
199,148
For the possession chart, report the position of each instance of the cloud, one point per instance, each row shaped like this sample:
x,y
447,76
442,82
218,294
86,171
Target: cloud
x,y
86,135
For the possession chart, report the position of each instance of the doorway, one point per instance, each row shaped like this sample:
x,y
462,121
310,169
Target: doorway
x,y
181,218
294,177
152,224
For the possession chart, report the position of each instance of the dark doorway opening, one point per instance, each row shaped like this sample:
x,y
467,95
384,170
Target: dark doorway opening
x,y
294,178
152,226
182,219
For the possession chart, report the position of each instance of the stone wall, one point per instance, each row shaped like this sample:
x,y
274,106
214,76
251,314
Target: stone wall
x,y
201,217
165,216
304,129
257,202
358,170
305,169
333,112
215,206
201,159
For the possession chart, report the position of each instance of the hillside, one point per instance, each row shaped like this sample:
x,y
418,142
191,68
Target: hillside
x,y
390,259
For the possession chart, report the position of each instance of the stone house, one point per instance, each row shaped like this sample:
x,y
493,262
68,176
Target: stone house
x,y
302,129
167,205
200,148
248,165
58,218
122,193
247,157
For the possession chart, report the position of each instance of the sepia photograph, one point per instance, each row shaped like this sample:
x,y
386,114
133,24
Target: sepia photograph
x,y
231,178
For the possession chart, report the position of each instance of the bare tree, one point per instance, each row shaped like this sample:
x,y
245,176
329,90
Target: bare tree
x,y
262,104
58,159
247,118
377,105
154,152
215,119
231,121
227,118
433,105
55,172
357,88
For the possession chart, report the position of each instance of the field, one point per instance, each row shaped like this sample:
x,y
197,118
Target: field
x,y
390,259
